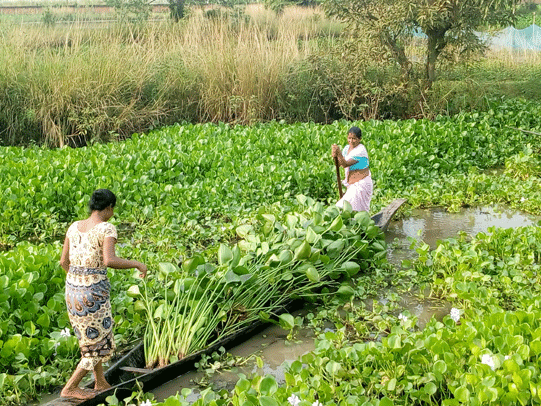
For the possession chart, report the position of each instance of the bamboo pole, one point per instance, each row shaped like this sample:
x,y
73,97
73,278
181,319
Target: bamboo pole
x,y
340,193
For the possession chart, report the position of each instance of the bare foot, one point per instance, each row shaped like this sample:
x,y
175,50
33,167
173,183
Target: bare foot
x,y
77,393
102,387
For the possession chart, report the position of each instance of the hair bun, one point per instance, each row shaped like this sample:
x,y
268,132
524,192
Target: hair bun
x,y
101,199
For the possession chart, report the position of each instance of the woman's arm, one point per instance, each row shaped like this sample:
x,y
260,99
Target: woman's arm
x,y
112,261
337,153
65,257
343,162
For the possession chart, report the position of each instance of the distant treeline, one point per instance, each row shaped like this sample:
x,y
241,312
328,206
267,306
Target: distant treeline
x,y
70,85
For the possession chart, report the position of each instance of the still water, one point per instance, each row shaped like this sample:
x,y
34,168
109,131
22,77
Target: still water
x,y
431,225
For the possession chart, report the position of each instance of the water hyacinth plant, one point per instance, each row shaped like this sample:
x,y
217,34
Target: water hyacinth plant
x,y
248,189
484,351
313,253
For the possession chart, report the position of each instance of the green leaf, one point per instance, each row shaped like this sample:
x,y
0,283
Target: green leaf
x,y
430,388
287,321
311,236
259,362
241,270
133,291
524,351
30,328
232,277
335,248
334,368
337,224
270,218
159,312
291,221
285,257
244,230
236,256
345,291
352,268
303,251
112,400
242,385
139,306
225,255
440,367
268,386
267,401
4,282
385,401
312,274
394,341
190,264
462,394
373,231
167,268
44,320
535,346
172,402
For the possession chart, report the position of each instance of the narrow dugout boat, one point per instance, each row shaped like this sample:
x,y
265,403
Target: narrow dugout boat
x,y
128,371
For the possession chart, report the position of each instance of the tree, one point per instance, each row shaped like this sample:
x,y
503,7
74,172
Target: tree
x,y
279,5
133,11
176,8
448,24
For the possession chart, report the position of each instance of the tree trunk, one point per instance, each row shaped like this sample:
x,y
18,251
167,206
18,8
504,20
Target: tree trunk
x,y
431,57
436,44
399,53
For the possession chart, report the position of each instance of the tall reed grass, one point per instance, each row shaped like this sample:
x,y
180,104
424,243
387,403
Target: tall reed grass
x,y
72,84
79,83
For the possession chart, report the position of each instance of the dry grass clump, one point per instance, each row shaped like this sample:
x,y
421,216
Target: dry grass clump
x,y
72,84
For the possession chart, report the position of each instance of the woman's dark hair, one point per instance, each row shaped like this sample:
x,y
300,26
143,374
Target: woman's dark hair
x,y
101,199
356,131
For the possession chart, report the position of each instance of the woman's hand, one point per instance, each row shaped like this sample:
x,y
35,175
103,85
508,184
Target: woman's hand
x,y
110,260
142,268
335,150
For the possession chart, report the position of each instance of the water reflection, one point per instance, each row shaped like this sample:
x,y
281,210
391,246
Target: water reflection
x,y
271,345
431,225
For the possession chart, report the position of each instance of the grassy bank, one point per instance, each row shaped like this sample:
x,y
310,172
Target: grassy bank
x,y
72,84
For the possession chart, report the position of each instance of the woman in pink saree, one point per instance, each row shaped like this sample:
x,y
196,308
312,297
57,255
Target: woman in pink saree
x,y
358,180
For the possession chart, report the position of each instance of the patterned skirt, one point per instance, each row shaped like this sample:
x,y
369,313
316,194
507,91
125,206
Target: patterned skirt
x,y
358,195
89,311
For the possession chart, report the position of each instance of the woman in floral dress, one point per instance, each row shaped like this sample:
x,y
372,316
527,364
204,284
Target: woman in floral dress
x,y
89,248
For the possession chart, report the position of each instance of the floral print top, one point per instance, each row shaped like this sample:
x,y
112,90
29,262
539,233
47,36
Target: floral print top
x,y
86,248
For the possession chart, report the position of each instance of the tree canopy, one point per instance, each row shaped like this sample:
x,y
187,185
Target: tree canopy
x,y
448,24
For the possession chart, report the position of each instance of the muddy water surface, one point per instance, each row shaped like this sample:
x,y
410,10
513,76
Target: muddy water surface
x,y
431,225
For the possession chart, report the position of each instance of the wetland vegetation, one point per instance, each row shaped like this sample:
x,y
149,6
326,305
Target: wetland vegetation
x,y
223,172
191,193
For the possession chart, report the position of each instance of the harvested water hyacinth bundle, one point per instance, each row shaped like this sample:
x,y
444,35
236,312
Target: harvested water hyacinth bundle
x,y
311,253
